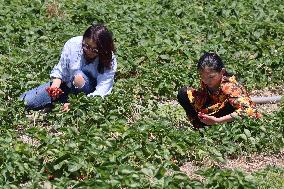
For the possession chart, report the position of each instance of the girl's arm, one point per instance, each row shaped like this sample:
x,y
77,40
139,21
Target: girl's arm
x,y
239,99
105,81
70,60
227,118
59,71
211,120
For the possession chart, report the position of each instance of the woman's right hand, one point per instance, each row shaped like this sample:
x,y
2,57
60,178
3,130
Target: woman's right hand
x,y
54,92
56,82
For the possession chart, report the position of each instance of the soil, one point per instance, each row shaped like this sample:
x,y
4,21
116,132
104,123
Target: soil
x,y
248,164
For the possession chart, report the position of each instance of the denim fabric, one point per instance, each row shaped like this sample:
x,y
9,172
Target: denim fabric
x,y
38,98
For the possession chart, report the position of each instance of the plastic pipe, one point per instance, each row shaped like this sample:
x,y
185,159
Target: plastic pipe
x,y
266,99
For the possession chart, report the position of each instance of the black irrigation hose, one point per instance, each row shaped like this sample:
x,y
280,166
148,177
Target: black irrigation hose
x,y
267,99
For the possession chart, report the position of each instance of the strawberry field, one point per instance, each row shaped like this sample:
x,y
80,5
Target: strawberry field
x,y
138,137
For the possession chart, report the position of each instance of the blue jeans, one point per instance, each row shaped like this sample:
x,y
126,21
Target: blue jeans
x,y
38,98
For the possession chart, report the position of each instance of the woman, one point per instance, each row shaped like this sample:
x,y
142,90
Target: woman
x,y
220,98
87,64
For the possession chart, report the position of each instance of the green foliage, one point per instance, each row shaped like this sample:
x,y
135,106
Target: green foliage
x,y
228,179
271,177
133,138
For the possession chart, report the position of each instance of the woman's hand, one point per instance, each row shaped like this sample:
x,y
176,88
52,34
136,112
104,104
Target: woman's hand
x,y
208,120
54,92
56,82
65,107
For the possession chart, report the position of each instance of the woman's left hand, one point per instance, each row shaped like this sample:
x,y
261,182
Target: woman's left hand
x,y
66,107
207,119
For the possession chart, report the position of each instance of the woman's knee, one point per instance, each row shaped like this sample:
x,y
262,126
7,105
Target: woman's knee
x,y
79,81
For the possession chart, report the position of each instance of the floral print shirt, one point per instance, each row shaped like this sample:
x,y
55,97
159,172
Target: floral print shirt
x,y
230,91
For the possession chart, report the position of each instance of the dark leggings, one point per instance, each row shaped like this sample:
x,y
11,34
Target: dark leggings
x,y
192,114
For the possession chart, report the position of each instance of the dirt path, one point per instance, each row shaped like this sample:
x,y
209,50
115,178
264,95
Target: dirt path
x,y
248,164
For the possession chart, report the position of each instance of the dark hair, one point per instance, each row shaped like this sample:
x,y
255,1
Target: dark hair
x,y
103,38
210,60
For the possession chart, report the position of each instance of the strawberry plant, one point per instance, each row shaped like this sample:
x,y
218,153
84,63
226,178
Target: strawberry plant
x,y
136,137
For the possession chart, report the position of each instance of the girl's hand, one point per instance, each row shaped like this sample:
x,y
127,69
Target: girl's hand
x,y
56,82
65,107
208,120
54,92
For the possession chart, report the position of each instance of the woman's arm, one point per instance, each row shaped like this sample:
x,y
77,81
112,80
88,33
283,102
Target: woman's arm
x,y
59,71
105,81
227,118
70,60
211,120
239,99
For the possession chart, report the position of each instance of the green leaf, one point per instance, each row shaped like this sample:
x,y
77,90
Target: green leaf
x,y
181,177
262,128
165,57
216,152
147,172
247,132
243,136
126,171
161,172
74,167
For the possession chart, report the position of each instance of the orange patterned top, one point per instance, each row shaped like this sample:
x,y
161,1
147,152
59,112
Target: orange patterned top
x,y
230,91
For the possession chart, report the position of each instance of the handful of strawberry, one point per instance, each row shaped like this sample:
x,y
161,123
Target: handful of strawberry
x,y
54,92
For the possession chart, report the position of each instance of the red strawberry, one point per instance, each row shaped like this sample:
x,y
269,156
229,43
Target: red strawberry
x,y
50,177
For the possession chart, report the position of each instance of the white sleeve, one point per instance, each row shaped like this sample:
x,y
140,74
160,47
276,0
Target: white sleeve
x,y
105,81
70,60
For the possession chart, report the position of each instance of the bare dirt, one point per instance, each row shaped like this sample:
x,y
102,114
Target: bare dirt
x,y
248,164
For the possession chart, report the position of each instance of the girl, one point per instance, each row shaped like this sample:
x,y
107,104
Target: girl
x,y
220,99
87,64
